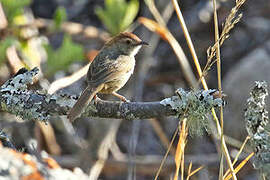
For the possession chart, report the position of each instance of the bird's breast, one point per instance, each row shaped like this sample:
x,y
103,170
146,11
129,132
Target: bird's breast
x,y
123,70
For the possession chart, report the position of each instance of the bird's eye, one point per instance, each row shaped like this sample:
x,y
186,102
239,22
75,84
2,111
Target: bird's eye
x,y
128,41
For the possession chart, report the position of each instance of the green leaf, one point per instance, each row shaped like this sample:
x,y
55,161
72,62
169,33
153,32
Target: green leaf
x,y
62,57
108,23
130,14
117,14
4,44
116,11
14,8
59,17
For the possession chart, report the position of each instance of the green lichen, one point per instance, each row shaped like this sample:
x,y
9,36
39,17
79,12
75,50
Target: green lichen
x,y
14,96
91,108
131,117
257,124
4,106
195,106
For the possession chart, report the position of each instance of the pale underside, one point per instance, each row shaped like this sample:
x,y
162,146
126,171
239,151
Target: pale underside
x,y
113,75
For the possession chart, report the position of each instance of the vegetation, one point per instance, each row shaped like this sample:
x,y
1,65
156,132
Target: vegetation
x,y
96,141
118,14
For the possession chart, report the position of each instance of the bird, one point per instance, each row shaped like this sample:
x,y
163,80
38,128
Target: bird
x,y
110,70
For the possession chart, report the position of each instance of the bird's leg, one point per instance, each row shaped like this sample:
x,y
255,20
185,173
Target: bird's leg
x,y
96,99
122,98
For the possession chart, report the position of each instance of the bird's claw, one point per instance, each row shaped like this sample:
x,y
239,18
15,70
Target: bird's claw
x,y
96,99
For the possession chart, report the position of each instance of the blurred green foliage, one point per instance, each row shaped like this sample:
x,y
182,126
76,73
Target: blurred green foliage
x,y
118,14
58,59
59,17
14,8
4,44
62,57
69,51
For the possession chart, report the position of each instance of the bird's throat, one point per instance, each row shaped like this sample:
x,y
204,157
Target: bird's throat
x,y
135,50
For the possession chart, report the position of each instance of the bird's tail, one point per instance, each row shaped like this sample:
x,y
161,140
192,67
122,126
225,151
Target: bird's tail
x,y
86,97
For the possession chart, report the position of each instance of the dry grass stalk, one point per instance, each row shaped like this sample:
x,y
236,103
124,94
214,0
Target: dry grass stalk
x,y
182,59
179,155
212,52
238,154
193,172
155,27
189,42
166,155
221,167
154,11
239,167
229,24
166,35
197,64
161,134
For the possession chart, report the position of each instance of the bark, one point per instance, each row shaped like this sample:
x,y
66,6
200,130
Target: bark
x,y
16,98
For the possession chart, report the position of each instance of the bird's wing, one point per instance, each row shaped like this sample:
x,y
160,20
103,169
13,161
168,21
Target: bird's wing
x,y
103,69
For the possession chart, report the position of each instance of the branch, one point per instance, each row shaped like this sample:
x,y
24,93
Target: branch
x,y
15,98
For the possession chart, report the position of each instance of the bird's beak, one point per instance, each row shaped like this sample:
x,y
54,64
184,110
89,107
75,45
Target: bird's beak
x,y
142,43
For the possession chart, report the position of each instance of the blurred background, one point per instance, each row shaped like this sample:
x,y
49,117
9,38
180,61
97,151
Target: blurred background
x,y
62,36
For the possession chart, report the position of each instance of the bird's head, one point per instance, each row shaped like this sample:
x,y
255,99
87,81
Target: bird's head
x,y
126,43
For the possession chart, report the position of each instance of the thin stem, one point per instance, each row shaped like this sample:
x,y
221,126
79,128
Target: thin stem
x,y
199,70
165,156
182,59
238,154
189,42
219,76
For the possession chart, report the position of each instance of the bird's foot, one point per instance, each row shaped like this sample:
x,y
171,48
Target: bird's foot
x,y
96,99
125,100
122,98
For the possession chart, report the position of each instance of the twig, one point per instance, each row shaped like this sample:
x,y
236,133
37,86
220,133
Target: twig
x,y
13,59
3,19
46,137
199,70
220,91
189,41
161,134
68,80
238,154
103,150
182,59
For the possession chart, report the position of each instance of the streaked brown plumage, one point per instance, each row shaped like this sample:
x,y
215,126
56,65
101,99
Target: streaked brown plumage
x,y
110,70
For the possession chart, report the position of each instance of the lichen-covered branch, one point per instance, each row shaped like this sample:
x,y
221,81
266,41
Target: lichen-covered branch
x,y
257,124
36,105
18,165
